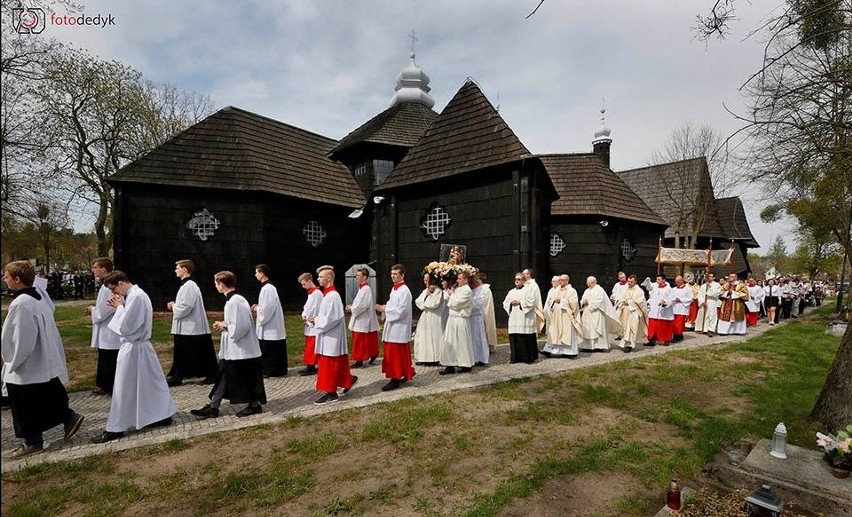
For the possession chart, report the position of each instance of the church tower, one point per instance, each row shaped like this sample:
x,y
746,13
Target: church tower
x,y
602,141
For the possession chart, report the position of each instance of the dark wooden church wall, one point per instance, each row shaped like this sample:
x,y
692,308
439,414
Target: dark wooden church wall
x,y
594,250
289,254
483,218
254,228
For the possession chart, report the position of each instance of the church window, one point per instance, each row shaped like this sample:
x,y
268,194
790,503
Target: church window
x,y
363,169
203,224
314,233
381,170
628,250
556,244
436,221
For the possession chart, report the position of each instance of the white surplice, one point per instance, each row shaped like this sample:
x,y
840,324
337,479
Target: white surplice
x,y
329,324
522,316
363,307
397,316
188,315
238,339
102,314
457,340
311,309
708,302
269,324
427,339
140,395
481,352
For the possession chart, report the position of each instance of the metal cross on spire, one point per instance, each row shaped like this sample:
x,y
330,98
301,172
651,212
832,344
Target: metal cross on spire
x,y
414,38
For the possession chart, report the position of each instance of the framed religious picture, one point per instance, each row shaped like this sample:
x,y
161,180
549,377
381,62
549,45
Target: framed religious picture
x,y
453,253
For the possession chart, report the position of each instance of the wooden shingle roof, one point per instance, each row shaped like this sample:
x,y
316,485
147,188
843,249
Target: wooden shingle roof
x,y
401,125
586,186
675,189
733,219
468,135
234,149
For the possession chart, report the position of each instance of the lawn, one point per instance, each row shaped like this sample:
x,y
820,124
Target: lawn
x,y
602,439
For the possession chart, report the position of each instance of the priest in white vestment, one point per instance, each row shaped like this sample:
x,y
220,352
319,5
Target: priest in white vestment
x,y
707,318
457,341
632,311
599,318
427,339
566,332
140,396
519,304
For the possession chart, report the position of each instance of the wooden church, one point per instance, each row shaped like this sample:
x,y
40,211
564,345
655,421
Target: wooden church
x,y
238,189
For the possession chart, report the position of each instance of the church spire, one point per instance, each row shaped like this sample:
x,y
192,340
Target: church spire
x,y
602,142
412,83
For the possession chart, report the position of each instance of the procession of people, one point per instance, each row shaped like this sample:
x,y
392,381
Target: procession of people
x,y
456,331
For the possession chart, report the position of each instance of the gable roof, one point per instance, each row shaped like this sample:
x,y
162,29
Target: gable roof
x,y
586,186
732,218
674,189
235,149
401,125
467,135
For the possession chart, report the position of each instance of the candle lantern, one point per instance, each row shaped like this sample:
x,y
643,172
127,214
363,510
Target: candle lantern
x,y
779,442
764,503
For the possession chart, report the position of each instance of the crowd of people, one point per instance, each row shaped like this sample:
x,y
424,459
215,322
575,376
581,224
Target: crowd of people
x,y
456,330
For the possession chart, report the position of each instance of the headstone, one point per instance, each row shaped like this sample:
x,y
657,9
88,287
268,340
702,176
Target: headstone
x,y
352,284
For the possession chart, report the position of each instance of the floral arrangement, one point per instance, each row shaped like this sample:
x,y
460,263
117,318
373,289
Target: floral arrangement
x,y
838,449
447,271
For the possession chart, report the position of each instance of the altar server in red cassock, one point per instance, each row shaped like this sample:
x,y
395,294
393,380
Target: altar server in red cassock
x,y
310,309
660,313
363,323
396,363
331,347
682,302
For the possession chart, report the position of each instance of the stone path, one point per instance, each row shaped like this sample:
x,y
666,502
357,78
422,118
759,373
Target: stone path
x,y
294,396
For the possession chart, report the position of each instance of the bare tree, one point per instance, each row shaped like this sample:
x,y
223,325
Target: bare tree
x,y
691,198
97,116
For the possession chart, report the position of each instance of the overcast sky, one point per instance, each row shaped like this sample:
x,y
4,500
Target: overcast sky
x,y
328,66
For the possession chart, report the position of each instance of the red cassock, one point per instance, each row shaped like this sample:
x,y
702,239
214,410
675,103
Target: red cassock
x,y
396,363
660,330
365,345
679,324
333,373
693,311
310,356
751,318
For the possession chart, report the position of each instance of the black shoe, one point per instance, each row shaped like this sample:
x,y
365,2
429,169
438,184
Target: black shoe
x,y
628,349
106,436
448,370
161,423
328,398
207,411
207,380
651,343
249,410
545,354
480,363
310,370
373,359
172,382
392,385
465,369
73,425
357,364
354,380
712,334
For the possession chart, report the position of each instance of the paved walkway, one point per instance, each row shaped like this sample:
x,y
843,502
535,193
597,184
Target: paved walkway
x,y
294,396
